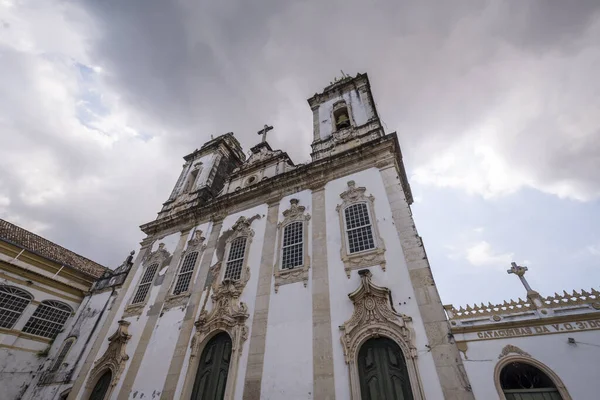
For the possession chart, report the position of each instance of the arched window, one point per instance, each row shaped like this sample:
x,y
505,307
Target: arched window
x,y
184,277
235,259
145,283
382,371
48,319
292,251
520,380
62,354
13,302
101,389
359,233
211,378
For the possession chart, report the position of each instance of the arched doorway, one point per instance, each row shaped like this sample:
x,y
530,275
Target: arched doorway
x,y
101,387
382,371
520,380
211,377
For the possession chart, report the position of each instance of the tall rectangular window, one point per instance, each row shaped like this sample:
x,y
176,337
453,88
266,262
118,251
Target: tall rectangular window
x,y
293,246
358,228
145,283
235,260
185,273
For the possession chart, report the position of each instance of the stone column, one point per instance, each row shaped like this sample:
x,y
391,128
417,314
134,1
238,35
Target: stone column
x,y
323,375
256,352
186,331
446,357
316,123
153,315
103,332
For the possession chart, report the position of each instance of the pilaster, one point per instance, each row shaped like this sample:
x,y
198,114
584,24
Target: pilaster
x,y
446,357
323,374
185,333
256,352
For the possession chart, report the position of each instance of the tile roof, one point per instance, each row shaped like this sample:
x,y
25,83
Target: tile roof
x,y
45,248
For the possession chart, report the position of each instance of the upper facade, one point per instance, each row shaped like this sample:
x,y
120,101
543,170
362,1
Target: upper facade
x,y
219,177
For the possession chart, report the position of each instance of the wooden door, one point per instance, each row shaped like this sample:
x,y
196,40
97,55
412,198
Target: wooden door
x,y
101,387
211,377
382,371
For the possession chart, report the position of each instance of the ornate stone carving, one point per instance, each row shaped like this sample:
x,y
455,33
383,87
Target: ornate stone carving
x,y
509,348
228,314
363,259
114,357
374,316
299,273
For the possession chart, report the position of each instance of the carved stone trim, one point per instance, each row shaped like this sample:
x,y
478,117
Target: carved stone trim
x,y
363,259
174,301
133,310
509,348
300,273
241,228
374,316
114,357
228,314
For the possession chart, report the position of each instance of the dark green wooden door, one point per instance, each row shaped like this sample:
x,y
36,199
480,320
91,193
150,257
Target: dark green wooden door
x,y
382,371
212,370
101,387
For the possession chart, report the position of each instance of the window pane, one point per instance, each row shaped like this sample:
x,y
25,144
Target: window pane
x,y
183,282
142,291
292,256
360,239
149,274
61,356
292,234
48,319
237,249
12,303
357,215
234,270
189,262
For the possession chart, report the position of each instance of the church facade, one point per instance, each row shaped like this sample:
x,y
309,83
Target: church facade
x,y
263,279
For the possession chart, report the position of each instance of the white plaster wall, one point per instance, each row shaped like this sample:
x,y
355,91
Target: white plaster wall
x,y
396,278
575,364
288,361
360,112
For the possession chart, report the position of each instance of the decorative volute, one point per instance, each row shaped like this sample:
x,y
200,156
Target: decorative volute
x,y
114,357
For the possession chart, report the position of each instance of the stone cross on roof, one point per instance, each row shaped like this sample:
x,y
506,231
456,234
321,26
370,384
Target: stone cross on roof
x,y
520,272
264,131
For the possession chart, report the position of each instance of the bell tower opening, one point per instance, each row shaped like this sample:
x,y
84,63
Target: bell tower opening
x,y
341,116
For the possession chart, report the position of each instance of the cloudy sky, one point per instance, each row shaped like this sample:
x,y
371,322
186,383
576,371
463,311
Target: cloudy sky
x,y
496,106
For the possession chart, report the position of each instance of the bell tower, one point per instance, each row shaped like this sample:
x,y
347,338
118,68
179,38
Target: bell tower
x,y
204,173
344,116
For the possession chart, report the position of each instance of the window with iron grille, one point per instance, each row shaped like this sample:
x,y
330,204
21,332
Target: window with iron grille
x,y
235,260
13,302
63,353
293,245
145,283
358,228
48,319
185,273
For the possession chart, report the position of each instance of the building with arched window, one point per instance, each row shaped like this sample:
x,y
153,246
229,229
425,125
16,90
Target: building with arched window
x,y
265,279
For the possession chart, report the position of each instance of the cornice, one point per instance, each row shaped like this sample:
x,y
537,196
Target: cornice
x,y
305,176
